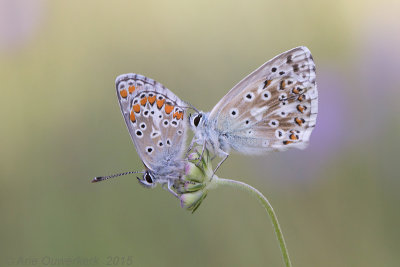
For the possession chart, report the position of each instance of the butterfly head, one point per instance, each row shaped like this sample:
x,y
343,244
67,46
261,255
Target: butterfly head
x,y
148,179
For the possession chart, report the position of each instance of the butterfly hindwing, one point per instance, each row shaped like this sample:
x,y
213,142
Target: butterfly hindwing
x,y
273,108
155,119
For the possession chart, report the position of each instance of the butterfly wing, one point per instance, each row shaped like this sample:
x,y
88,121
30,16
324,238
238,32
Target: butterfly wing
x,y
155,118
273,108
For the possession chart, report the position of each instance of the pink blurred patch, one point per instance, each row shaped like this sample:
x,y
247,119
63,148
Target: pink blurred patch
x,y
19,21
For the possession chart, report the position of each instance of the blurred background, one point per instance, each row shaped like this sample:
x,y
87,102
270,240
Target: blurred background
x,y
337,201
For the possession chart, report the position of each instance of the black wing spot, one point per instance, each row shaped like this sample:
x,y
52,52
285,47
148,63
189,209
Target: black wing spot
x,y
273,69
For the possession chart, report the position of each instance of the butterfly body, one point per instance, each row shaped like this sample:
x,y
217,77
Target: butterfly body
x,y
272,109
156,121
206,130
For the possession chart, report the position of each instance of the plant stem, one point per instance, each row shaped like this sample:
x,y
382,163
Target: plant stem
x,y
264,201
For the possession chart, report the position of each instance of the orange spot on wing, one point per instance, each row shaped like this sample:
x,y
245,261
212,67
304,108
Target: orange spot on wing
x,y
160,103
283,84
180,115
143,101
266,83
300,98
123,93
136,108
287,142
176,114
152,99
131,89
296,91
293,137
299,121
133,118
300,108
168,108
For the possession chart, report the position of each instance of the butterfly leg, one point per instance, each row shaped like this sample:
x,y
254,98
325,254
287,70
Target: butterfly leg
x,y
170,184
202,153
220,163
194,141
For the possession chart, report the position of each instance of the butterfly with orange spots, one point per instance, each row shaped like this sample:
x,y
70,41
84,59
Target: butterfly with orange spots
x,y
157,123
272,109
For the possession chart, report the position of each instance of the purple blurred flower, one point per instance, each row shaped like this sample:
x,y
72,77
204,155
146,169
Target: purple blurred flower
x,y
332,134
378,72
380,59
18,21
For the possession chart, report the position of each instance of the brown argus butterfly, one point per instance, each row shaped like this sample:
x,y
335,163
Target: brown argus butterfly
x,y
272,109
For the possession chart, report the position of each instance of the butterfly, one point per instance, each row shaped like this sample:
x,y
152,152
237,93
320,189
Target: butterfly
x,y
157,123
272,109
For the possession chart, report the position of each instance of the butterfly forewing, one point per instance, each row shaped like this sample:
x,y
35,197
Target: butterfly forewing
x,y
273,108
155,119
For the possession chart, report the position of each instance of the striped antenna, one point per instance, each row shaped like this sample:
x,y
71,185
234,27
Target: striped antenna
x,y
102,178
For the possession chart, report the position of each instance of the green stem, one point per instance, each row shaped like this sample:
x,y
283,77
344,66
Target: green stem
x,y
264,201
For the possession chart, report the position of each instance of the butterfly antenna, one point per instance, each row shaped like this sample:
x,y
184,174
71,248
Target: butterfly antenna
x,y
102,178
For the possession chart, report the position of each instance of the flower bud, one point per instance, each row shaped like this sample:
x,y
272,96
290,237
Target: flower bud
x,y
191,201
193,187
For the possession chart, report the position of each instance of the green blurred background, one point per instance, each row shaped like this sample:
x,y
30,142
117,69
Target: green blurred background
x,y
337,201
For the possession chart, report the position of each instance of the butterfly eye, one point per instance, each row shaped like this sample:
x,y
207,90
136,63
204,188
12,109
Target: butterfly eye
x,y
196,120
148,178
